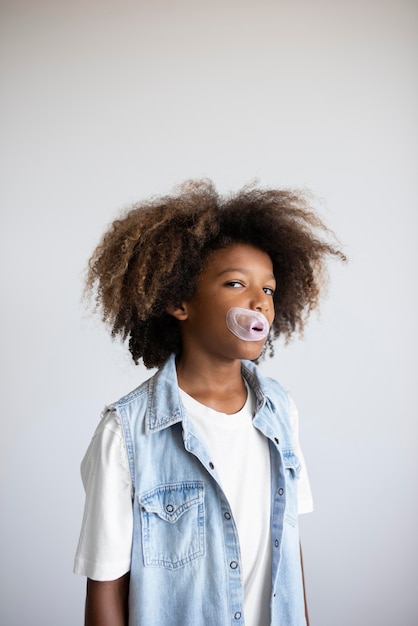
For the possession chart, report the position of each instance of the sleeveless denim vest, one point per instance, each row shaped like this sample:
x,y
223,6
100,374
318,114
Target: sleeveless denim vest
x,y
185,566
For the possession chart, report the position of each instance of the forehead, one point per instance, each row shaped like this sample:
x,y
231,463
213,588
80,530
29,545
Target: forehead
x,y
239,256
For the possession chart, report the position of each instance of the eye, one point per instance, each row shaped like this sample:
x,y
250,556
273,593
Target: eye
x,y
268,290
234,284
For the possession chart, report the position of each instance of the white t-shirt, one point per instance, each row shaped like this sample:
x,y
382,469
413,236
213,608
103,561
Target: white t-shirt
x,y
104,548
241,456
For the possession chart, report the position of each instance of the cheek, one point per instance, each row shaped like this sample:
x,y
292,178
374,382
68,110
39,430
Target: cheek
x,y
212,325
272,313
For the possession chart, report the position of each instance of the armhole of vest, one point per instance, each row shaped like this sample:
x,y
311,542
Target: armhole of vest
x,y
127,438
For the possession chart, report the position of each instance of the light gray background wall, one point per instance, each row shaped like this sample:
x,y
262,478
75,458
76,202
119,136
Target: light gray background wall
x,y
105,103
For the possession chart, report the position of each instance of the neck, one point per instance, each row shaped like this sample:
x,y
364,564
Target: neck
x,y
217,385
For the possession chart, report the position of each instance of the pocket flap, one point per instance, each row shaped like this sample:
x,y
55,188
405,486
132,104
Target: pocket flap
x,y
171,501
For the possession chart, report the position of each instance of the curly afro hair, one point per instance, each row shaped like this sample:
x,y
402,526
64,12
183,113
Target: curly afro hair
x,y
150,260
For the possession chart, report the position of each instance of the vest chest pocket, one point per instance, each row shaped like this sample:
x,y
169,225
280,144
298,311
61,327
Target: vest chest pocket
x,y
173,524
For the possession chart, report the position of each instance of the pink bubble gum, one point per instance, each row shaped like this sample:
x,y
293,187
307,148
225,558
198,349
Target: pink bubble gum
x,y
246,324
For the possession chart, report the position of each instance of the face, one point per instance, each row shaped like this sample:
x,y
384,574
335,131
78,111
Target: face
x,y
237,276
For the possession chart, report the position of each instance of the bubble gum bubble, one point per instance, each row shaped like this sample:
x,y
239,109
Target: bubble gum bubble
x,y
246,324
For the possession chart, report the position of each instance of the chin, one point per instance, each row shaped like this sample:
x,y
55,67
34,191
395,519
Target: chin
x,y
253,352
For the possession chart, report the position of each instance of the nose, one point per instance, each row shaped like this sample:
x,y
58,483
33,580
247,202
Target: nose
x,y
260,301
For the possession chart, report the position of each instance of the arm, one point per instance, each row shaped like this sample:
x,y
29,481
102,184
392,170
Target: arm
x,y
304,588
107,602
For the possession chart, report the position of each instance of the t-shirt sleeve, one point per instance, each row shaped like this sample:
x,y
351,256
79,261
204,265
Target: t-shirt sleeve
x,y
104,547
305,502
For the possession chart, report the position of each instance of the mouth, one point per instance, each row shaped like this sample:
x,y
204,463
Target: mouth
x,y
247,324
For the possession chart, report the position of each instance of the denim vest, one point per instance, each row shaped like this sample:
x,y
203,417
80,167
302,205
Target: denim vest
x,y
185,566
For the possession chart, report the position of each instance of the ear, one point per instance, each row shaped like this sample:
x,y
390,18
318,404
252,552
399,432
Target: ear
x,y
179,312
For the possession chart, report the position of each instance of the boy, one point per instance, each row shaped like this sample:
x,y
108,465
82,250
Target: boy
x,y
194,480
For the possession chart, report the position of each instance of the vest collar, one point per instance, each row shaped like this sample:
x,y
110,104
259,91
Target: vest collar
x,y
165,407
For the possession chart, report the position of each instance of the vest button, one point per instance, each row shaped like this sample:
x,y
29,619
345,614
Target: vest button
x,y
281,491
237,615
227,515
233,565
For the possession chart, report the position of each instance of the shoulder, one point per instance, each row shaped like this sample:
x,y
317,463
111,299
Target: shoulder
x,y
266,387
156,401
134,395
135,400
162,378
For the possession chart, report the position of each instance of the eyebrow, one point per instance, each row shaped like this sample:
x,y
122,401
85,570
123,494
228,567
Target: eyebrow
x,y
244,271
